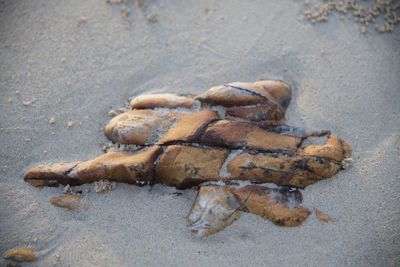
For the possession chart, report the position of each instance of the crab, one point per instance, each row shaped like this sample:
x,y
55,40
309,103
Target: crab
x,y
229,142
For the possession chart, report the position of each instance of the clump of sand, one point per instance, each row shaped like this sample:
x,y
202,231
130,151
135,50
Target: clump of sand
x,y
103,185
384,14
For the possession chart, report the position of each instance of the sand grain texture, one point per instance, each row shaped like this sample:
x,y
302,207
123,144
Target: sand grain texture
x,y
342,80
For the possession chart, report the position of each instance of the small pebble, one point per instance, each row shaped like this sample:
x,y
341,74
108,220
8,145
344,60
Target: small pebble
x,y
112,113
27,103
52,120
153,18
70,202
21,254
323,216
70,124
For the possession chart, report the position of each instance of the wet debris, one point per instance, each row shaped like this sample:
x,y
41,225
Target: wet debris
x,y
21,254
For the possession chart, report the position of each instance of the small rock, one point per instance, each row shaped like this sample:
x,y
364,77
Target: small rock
x,y
112,113
153,18
81,20
323,216
52,120
70,124
21,254
70,202
125,11
63,59
27,103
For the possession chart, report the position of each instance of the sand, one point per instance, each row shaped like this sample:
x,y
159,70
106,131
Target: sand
x,y
74,61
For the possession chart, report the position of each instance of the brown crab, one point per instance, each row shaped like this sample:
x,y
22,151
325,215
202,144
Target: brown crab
x,y
228,141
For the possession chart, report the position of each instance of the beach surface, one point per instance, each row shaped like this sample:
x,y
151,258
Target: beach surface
x,y
66,64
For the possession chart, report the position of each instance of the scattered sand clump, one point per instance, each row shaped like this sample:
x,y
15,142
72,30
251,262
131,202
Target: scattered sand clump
x,y
387,12
103,185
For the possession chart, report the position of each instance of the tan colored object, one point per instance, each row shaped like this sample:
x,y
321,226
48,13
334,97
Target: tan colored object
x,y
214,208
162,100
139,127
123,167
236,134
70,202
228,96
323,217
218,206
50,175
334,148
189,126
21,254
229,135
185,166
297,170
264,112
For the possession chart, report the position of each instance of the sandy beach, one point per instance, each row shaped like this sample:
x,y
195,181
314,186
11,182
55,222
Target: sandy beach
x,y
66,64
